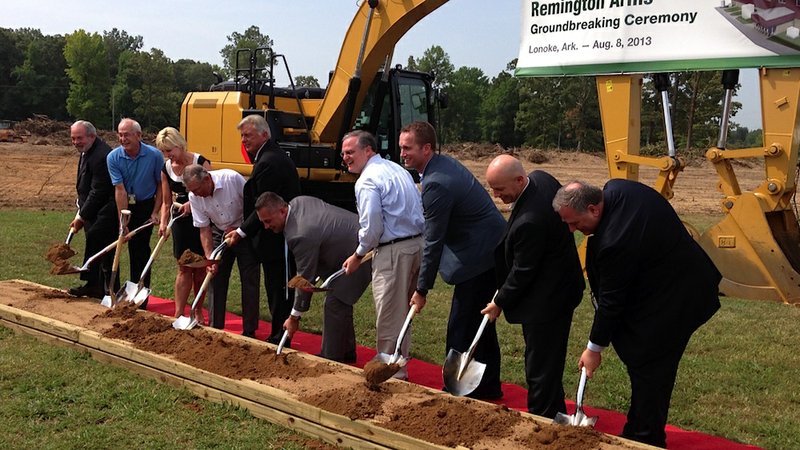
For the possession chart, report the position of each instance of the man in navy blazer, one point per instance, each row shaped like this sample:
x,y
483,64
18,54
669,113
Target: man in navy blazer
x,y
653,286
540,279
462,229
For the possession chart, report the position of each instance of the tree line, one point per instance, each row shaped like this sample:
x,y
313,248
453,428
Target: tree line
x,y
102,77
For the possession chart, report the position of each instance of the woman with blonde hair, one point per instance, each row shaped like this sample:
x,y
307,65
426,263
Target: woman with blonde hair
x,y
184,234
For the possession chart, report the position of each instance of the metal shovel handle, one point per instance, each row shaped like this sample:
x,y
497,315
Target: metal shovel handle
x,y
400,337
471,352
340,272
581,388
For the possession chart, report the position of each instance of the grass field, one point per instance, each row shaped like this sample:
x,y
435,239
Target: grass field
x,y
736,380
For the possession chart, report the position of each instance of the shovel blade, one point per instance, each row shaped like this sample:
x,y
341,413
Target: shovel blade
x,y
127,292
470,376
141,296
184,323
579,419
106,301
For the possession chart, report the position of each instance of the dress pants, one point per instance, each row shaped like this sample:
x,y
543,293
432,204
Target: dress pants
x,y
652,383
545,355
395,269
139,245
99,233
469,298
245,257
338,331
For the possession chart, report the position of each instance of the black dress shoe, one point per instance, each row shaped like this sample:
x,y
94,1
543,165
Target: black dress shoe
x,y
250,334
486,394
87,291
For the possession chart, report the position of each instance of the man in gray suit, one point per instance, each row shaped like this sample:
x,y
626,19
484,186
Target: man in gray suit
x,y
462,229
321,237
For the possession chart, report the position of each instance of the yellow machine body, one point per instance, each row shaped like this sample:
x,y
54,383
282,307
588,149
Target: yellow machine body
x,y
756,246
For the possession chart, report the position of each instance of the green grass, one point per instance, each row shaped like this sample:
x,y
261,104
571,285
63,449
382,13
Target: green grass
x,y
737,379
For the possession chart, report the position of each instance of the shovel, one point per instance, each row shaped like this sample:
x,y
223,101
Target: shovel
x,y
579,419
136,292
106,249
110,299
384,366
461,373
301,283
187,323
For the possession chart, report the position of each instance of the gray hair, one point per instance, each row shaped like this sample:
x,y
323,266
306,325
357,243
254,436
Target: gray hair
x,y
270,201
194,173
577,195
259,123
90,129
363,138
134,124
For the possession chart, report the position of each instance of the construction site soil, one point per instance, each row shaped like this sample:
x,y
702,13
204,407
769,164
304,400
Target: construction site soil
x,y
40,173
396,405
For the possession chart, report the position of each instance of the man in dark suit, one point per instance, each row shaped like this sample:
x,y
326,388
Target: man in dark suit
x,y
539,275
462,229
321,237
273,171
653,286
97,213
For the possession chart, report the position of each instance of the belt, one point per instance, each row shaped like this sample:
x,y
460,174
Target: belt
x,y
394,241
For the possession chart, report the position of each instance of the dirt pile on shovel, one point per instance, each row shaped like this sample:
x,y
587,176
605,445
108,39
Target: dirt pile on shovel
x,y
298,282
376,372
189,257
59,254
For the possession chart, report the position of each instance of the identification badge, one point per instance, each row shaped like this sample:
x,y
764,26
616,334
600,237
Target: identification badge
x,y
131,199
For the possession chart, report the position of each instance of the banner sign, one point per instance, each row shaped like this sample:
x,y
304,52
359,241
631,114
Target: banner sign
x,y
588,37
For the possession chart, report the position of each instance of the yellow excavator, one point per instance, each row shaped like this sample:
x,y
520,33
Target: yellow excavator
x,y
364,92
756,245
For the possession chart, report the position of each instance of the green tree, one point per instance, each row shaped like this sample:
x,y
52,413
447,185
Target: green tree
x,y
156,103
13,48
499,109
468,87
43,79
436,61
306,81
193,76
89,79
251,39
117,41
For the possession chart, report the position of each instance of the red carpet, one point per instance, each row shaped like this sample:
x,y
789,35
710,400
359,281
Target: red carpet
x,y
514,396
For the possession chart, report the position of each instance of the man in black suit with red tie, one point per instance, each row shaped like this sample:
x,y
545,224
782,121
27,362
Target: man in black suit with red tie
x,y
539,278
653,286
97,213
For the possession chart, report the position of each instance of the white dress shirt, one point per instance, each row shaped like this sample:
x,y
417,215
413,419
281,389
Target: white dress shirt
x,y
389,204
223,207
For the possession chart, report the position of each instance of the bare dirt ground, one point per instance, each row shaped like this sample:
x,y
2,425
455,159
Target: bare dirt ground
x,y
400,406
42,176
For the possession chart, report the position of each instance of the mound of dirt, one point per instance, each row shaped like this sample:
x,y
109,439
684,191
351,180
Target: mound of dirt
x,y
395,405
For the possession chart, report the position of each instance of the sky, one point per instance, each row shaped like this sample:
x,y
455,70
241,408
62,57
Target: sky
x,y
474,33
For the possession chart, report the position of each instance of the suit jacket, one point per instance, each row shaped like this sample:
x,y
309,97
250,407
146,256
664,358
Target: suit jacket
x,y
95,191
321,237
273,171
462,224
537,265
654,285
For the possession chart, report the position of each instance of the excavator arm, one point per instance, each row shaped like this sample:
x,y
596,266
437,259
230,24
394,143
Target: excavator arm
x,y
376,28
